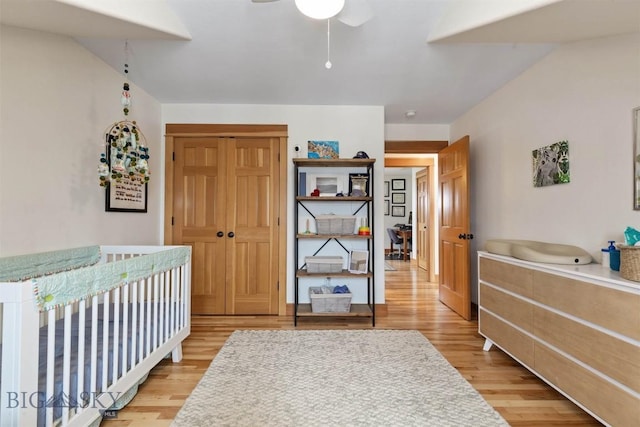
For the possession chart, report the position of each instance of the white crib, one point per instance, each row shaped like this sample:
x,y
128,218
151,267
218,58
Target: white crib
x,y
67,358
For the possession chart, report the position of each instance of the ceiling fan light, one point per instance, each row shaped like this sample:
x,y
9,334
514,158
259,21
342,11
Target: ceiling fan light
x,y
320,9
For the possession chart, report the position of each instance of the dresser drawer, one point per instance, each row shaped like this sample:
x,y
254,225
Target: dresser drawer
x,y
513,309
516,343
613,357
612,309
516,279
612,404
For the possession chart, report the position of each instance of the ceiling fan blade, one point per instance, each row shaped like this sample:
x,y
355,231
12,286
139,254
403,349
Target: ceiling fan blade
x,y
355,13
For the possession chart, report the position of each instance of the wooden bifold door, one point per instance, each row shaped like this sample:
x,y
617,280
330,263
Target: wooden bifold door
x,y
225,204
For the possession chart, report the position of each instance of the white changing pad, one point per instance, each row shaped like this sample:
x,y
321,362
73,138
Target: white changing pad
x,y
531,250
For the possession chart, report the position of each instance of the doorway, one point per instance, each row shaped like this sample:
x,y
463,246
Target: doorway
x,y
421,156
224,199
453,228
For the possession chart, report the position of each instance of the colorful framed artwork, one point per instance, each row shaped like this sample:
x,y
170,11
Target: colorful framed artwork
x,y
323,149
551,164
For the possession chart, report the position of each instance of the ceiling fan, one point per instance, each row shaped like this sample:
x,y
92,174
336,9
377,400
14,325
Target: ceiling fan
x,y
350,12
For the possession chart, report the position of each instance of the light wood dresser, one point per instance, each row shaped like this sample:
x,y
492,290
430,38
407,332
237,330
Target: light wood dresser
x,y
576,327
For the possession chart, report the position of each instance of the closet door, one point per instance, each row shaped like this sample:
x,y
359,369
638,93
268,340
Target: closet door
x,y
226,207
200,217
252,216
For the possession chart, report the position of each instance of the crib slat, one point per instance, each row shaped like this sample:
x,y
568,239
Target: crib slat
x,y
148,328
141,327
161,303
81,336
156,318
181,296
116,334
175,272
125,329
167,304
174,301
93,386
66,365
134,324
51,354
105,341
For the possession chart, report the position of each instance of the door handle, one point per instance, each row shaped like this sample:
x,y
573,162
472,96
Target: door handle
x,y
465,236
219,234
231,234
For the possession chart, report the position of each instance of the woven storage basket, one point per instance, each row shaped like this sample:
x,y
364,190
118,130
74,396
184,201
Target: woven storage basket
x,y
335,224
329,303
324,264
630,262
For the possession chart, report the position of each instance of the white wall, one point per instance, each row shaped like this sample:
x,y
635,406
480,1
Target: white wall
x,y
57,101
582,92
416,132
355,127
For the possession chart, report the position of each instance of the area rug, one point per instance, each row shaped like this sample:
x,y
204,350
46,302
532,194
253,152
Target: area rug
x,y
388,267
333,378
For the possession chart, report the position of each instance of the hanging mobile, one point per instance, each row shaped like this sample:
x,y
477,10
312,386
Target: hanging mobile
x,y
126,154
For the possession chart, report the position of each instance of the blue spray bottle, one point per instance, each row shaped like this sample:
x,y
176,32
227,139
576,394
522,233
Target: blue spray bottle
x,y
614,256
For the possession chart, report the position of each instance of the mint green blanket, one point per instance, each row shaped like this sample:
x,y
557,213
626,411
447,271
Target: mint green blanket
x,y
24,267
63,277
65,288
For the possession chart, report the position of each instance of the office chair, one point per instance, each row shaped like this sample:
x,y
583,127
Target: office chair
x,y
395,240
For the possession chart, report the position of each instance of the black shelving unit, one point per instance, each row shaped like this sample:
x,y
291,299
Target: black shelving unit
x,y
362,204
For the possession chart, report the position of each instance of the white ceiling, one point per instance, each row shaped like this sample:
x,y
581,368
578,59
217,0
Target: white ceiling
x,y
240,52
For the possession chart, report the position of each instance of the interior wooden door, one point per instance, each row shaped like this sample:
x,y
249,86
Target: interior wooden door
x,y
199,217
422,219
454,285
252,217
225,203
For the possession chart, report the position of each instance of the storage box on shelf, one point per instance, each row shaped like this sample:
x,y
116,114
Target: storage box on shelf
x,y
324,264
335,232
335,224
329,303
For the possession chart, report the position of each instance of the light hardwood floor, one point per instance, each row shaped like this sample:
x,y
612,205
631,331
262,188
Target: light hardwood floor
x,y
521,398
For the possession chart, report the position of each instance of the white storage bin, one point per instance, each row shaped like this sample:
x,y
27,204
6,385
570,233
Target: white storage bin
x,y
329,303
324,264
335,224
